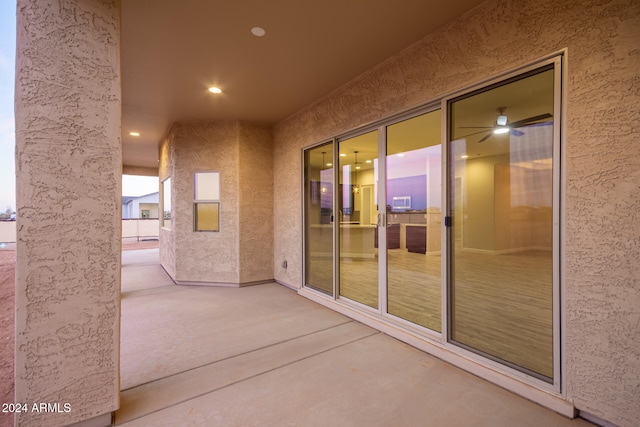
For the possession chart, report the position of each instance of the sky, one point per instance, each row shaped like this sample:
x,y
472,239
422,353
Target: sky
x,y
7,127
131,186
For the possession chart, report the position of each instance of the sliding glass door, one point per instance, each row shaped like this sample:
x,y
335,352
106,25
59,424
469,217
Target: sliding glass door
x,y
318,209
503,205
414,220
389,231
358,219
446,222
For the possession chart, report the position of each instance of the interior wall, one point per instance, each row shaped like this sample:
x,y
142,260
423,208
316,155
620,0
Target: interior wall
x,y
478,205
68,167
600,247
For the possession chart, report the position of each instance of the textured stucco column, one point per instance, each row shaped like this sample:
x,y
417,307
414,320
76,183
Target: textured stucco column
x,y
68,162
241,252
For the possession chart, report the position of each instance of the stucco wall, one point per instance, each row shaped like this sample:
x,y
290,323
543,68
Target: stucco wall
x,y
139,170
602,275
242,153
166,236
68,202
206,256
256,203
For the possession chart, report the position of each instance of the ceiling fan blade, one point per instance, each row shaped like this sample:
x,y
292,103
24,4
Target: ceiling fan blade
x,y
475,133
522,122
475,127
516,132
484,138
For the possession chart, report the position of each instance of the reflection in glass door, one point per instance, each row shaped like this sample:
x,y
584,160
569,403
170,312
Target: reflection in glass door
x,y
318,201
413,207
503,208
358,218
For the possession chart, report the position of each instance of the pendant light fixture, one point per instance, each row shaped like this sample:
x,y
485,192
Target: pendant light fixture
x,y
323,187
355,187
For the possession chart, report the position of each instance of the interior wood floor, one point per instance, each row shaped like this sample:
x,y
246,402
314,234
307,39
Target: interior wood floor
x,y
501,304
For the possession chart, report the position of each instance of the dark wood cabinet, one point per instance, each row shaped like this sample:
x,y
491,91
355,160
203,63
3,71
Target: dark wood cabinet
x,y
393,236
417,239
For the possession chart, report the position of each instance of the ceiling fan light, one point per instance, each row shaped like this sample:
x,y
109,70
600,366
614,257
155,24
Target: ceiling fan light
x,y
501,120
501,129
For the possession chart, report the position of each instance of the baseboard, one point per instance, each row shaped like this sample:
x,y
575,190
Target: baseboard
x,y
506,251
104,420
222,284
287,285
595,420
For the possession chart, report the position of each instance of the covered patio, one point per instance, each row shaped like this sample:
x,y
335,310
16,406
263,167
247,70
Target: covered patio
x,y
262,355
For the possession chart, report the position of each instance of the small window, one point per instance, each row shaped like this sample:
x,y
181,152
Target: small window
x,y
206,204
166,203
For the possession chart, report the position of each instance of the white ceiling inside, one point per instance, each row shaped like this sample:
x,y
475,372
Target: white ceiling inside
x,y
173,51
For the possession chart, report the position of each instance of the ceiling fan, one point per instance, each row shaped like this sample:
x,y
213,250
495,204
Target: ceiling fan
x,y
503,125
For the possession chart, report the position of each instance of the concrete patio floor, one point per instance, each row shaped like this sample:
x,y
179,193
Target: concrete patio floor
x,y
263,355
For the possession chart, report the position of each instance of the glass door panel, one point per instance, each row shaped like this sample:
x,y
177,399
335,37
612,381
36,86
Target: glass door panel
x,y
502,208
413,206
318,200
358,217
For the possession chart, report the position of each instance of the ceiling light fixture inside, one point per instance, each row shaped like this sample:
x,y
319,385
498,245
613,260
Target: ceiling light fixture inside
x,y
215,90
134,133
258,31
501,129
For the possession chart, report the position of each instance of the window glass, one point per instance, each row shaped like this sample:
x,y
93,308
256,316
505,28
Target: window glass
x,y
319,217
206,205
207,185
166,203
413,209
501,154
207,216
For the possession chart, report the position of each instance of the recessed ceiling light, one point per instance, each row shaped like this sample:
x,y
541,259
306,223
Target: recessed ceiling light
x,y
258,31
215,90
329,164
464,156
342,155
134,133
367,161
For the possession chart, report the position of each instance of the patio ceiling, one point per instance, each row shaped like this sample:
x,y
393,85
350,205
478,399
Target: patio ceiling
x,y
173,51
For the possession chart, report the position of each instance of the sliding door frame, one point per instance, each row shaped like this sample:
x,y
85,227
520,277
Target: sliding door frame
x,y
552,395
557,63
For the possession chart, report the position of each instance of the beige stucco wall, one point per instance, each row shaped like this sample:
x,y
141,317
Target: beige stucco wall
x,y
242,154
255,203
7,231
602,275
68,202
138,170
140,228
167,241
